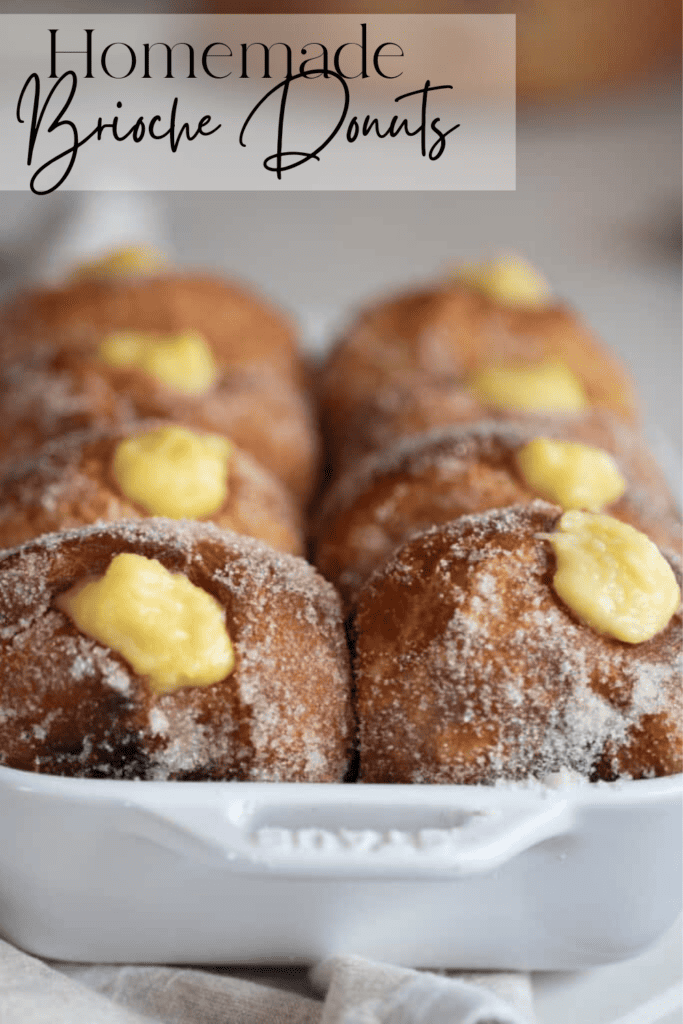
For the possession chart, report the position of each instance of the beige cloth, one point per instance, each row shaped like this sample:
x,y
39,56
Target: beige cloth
x,y
364,992
33,992
175,995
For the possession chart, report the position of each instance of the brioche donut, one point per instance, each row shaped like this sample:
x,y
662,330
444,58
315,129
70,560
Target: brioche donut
x,y
72,482
73,706
470,668
52,391
241,329
435,477
441,337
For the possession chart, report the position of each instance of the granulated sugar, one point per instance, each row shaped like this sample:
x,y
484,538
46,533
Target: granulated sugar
x,y
482,673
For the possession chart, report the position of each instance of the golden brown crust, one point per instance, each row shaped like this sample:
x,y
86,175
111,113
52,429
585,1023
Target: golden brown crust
x,y
470,669
401,366
240,327
70,706
432,478
69,483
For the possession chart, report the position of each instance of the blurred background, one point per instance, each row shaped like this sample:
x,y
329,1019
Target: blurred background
x,y
565,47
597,205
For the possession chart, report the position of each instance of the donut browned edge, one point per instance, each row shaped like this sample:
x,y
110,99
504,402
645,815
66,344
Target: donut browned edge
x,y
241,328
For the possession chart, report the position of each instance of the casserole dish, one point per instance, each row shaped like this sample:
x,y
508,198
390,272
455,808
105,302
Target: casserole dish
x,y
524,876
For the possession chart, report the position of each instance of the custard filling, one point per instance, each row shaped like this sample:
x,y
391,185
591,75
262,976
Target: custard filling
x,y
613,577
173,471
572,475
164,626
183,362
124,261
510,280
549,386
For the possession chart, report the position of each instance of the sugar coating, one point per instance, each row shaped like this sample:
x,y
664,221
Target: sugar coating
x,y
283,715
454,686
436,476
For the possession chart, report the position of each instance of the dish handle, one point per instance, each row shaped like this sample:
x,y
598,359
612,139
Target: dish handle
x,y
297,841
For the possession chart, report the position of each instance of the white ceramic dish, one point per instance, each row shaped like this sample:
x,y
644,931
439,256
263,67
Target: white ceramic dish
x,y
516,876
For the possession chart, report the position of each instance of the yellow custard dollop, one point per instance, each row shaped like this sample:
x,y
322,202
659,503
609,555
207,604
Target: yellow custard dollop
x,y
509,279
124,261
167,628
173,471
572,475
183,362
613,577
549,386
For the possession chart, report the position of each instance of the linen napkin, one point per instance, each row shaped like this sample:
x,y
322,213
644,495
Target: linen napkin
x,y
358,991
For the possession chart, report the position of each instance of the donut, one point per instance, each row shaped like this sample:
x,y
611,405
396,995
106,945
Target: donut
x,y
434,477
74,705
441,339
402,412
471,669
50,392
76,480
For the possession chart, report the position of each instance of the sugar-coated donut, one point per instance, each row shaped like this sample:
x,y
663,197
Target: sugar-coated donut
x,y
435,339
437,476
70,705
470,669
71,482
